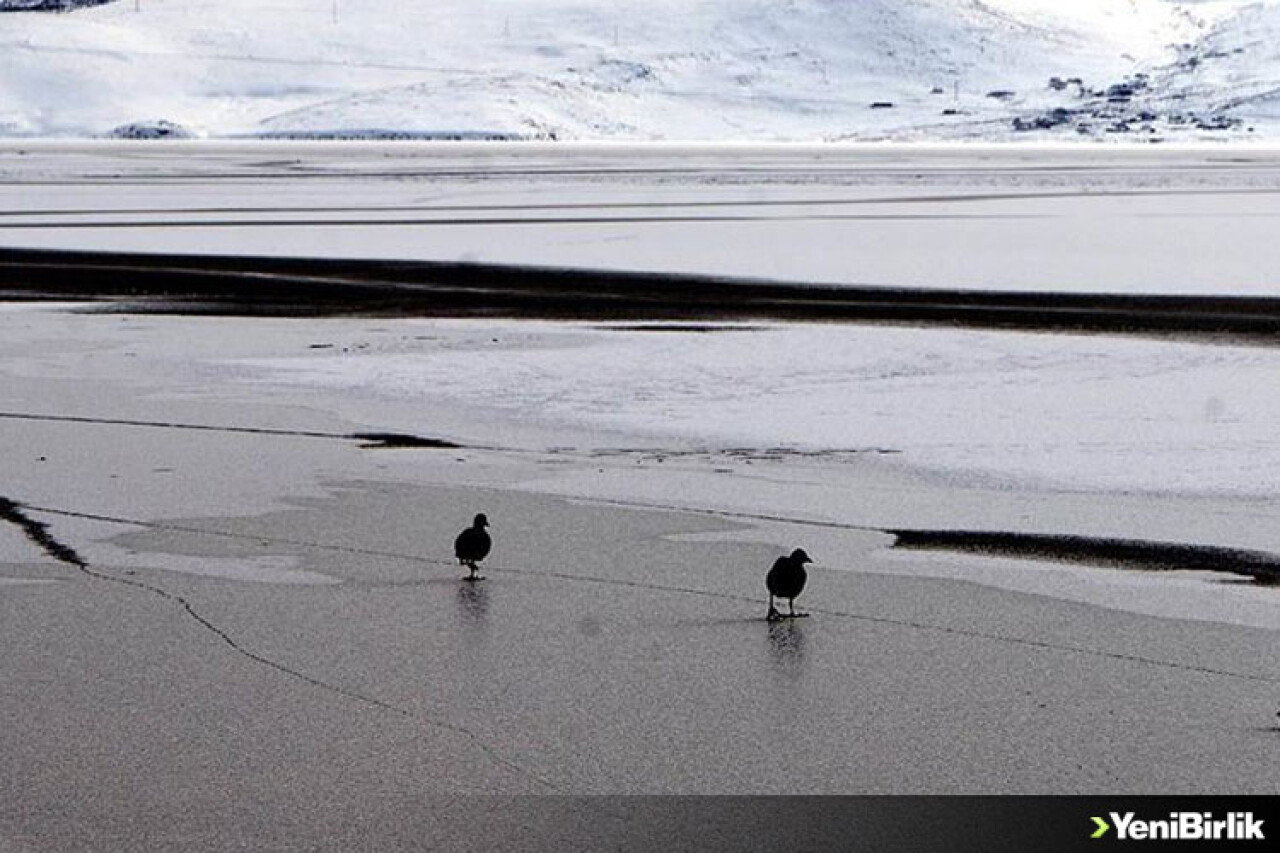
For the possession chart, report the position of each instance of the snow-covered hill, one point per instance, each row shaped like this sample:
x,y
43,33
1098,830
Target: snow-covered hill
x,y
673,69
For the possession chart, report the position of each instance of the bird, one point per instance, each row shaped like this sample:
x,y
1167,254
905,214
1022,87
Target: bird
x,y
473,544
786,580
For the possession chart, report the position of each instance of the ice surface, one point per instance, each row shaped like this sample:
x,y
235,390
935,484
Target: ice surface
x,y
1089,412
771,429
1150,219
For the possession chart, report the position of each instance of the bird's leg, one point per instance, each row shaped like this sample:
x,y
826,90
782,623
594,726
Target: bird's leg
x,y
774,615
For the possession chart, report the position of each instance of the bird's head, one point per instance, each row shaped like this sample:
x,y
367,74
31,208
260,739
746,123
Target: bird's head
x,y
482,520
799,556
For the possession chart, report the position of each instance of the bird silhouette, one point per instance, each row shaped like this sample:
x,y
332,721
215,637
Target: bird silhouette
x,y
472,545
786,580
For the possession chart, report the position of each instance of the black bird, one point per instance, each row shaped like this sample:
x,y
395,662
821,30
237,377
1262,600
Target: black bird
x,y
786,580
473,544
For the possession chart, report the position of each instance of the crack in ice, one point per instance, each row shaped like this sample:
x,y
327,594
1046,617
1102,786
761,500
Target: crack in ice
x,y
1027,642
38,532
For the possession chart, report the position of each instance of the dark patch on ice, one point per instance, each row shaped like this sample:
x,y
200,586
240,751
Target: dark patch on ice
x,y
398,439
38,532
1262,566
312,287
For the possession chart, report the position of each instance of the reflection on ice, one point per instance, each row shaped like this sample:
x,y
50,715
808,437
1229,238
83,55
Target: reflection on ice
x,y
473,602
787,645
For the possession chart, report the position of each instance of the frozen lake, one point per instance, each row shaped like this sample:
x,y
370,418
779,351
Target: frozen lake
x,y
210,583
1090,218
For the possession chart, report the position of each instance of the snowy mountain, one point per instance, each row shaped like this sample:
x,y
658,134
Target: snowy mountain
x,y
664,69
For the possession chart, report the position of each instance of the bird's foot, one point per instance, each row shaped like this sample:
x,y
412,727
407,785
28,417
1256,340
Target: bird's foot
x,y
474,578
774,615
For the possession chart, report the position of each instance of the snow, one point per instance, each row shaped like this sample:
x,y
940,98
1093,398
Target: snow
x,y
605,69
1062,411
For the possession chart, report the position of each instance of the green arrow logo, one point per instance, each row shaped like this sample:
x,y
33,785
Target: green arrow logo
x,y
1102,828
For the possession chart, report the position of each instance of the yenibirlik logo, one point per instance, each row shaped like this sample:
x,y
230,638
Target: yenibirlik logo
x,y
1182,826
